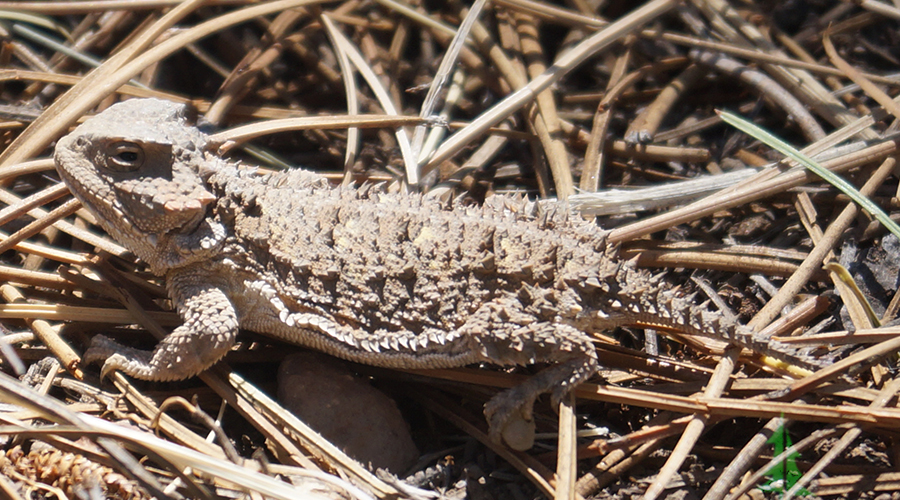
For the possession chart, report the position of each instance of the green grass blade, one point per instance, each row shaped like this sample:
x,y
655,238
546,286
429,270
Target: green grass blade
x,y
786,149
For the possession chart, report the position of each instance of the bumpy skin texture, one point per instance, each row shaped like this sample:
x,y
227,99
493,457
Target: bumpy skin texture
x,y
394,280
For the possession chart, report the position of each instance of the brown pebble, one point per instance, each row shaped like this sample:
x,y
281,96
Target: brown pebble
x,y
345,409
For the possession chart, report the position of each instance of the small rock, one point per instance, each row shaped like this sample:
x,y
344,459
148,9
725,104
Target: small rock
x,y
357,418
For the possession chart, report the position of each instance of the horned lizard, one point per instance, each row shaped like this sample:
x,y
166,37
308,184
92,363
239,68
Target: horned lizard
x,y
388,279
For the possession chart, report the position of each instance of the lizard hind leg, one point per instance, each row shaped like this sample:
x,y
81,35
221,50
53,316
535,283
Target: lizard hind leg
x,y
510,413
209,332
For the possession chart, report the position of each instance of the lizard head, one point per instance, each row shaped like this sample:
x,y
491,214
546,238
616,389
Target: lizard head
x,y
136,166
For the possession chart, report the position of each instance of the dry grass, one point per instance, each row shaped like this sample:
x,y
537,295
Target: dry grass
x,y
520,96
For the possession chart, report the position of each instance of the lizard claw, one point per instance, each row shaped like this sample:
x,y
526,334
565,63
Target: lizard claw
x,y
114,356
557,395
101,348
108,366
510,413
510,419
104,349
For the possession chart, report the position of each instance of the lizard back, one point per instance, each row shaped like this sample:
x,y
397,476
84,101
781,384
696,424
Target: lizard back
x,y
405,261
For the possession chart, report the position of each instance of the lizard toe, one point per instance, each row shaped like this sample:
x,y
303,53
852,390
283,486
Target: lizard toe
x,y
101,348
134,362
114,362
510,418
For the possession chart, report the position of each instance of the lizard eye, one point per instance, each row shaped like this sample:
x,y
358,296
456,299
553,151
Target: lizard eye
x,y
125,157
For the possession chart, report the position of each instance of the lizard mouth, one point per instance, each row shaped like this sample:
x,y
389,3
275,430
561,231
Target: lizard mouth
x,y
163,210
190,225
174,203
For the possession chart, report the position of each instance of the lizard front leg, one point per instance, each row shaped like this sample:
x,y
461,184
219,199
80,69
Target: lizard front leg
x,y
209,331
